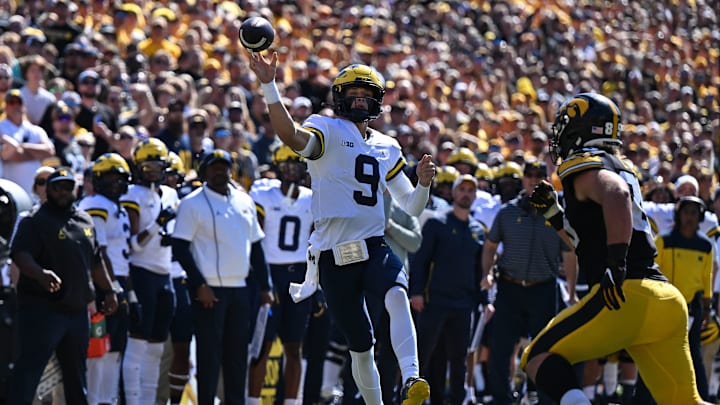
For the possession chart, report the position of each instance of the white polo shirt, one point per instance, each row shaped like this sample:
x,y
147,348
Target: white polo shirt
x,y
221,230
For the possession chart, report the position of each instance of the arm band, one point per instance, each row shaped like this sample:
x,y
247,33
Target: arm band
x,y
411,200
271,92
309,149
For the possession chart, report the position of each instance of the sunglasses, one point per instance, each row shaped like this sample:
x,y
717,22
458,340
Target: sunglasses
x,y
536,175
85,145
65,118
40,182
13,101
89,81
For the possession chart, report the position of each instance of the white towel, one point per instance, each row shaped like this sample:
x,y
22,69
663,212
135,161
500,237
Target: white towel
x,y
299,292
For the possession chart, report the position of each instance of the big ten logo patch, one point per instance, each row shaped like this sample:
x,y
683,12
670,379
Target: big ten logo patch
x,y
273,374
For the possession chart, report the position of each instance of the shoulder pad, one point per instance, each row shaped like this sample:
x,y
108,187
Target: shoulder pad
x,y
593,159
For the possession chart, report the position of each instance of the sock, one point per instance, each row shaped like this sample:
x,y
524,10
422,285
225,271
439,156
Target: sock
x,y
479,378
290,401
402,332
132,362
111,378
556,378
150,372
301,385
366,376
332,367
574,397
94,379
253,401
176,383
589,391
610,377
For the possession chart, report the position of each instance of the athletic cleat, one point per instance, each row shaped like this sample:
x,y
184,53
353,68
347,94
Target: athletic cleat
x,y
415,391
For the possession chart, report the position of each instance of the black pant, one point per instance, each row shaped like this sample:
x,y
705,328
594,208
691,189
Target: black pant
x,y
43,330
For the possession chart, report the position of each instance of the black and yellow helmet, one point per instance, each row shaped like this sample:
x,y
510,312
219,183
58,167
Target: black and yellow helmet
x,y
284,153
586,120
151,149
509,169
176,165
446,175
105,164
484,172
110,163
462,155
358,75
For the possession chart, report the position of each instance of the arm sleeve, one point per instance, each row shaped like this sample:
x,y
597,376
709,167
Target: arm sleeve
x,y
181,252
409,198
405,231
260,270
708,274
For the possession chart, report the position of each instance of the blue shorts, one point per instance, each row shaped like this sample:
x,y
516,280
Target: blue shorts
x,y
289,319
181,328
156,296
345,288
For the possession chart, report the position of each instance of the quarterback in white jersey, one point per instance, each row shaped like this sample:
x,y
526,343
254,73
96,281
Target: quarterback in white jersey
x,y
284,212
150,207
351,166
110,176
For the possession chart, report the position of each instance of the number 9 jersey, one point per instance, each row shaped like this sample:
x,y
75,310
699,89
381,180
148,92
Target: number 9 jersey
x,y
349,177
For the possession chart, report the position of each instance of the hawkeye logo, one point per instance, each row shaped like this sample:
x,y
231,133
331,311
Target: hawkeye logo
x,y
577,107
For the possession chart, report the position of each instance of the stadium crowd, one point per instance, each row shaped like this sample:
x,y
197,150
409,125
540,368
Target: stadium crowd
x,y
475,84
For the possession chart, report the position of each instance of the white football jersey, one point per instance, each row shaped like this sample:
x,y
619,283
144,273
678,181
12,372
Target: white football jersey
x,y
149,203
485,208
662,218
112,230
349,178
286,222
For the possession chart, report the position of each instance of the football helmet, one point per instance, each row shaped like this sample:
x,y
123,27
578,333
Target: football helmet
x,y
175,164
484,172
446,175
587,120
110,163
151,160
358,75
462,155
289,165
509,169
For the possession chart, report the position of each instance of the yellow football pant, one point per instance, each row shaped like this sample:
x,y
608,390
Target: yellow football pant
x,y
651,325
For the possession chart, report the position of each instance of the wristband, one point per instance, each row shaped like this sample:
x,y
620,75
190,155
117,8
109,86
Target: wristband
x,y
616,254
132,298
117,287
271,92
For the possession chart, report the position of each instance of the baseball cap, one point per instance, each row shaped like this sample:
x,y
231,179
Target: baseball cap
x,y
539,136
301,102
14,93
61,174
218,155
685,179
463,178
535,166
88,74
71,98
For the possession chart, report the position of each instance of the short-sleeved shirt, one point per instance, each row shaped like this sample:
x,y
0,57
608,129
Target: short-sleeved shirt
x,y
65,243
531,248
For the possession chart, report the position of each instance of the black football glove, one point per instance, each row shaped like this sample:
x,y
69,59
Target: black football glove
x,y
544,199
166,215
612,281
